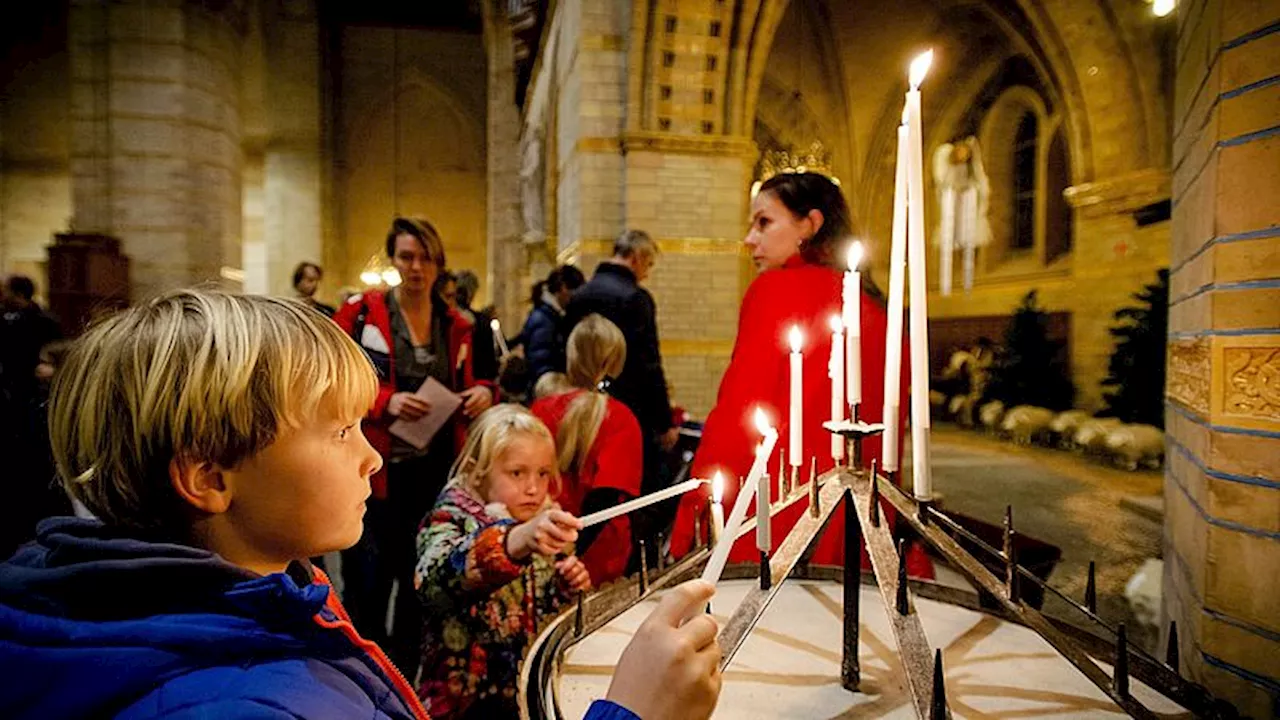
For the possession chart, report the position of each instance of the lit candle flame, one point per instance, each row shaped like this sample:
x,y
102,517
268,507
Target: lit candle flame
x,y
762,422
391,277
717,487
920,68
370,277
855,255
795,338
495,326
836,324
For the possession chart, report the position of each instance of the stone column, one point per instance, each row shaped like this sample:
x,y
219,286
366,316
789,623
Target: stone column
x,y
155,156
292,212
1222,483
506,256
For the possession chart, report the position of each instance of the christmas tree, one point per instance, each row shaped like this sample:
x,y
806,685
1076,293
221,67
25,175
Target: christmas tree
x,y
1135,374
1030,368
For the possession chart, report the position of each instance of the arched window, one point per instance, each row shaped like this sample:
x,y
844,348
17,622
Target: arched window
x,y
1024,184
1057,215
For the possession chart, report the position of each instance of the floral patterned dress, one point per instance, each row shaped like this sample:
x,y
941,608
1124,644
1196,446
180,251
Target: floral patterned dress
x,y
482,609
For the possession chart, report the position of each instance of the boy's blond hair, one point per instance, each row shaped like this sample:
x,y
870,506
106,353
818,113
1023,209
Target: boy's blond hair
x,y
203,375
488,438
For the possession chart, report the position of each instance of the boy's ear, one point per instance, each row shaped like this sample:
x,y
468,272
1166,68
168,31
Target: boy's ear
x,y
202,485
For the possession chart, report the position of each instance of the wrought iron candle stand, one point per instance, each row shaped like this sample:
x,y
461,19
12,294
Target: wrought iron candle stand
x,y
864,492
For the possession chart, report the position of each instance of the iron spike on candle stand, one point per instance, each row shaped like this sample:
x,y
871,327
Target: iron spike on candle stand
x,y
644,570
873,508
903,602
814,509
938,706
1010,556
1120,680
1171,651
1091,590
662,556
579,619
766,574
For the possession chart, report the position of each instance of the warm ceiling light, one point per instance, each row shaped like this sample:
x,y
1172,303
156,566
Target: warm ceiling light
x,y
1162,7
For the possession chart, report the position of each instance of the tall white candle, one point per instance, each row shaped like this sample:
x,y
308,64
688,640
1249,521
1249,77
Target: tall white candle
x,y
921,472
720,553
835,370
717,507
946,241
893,336
643,501
795,420
853,324
764,512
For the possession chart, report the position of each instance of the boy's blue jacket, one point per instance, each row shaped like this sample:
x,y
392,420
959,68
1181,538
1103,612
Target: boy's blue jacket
x,y
98,624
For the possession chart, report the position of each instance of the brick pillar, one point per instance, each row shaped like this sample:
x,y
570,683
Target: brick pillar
x,y
1222,484
156,157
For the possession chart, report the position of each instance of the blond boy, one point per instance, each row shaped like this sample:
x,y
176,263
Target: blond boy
x,y
217,438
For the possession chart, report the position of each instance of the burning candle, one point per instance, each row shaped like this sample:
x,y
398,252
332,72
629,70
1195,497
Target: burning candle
x,y
835,369
498,338
795,421
720,553
853,326
922,484
893,336
717,507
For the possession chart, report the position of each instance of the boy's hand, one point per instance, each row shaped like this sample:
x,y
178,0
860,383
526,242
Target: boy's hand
x,y
475,400
407,406
547,533
574,574
671,671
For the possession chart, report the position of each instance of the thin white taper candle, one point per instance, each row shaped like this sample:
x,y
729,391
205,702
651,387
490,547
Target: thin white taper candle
x,y
852,316
921,474
795,420
835,371
640,502
893,335
720,553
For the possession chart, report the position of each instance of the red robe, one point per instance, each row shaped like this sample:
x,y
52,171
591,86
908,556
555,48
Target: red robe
x,y
758,376
614,461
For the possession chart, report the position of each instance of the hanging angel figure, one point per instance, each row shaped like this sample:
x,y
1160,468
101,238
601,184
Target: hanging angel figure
x,y
963,196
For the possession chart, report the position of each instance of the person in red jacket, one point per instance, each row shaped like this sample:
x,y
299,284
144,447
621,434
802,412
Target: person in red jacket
x,y
410,334
599,445
799,231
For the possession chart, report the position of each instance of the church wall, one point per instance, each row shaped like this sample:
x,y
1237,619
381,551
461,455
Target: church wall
x,y
1222,481
35,177
412,141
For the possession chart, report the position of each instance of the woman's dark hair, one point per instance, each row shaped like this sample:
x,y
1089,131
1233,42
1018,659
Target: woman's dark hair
x,y
565,276
802,192
535,292
425,233
302,268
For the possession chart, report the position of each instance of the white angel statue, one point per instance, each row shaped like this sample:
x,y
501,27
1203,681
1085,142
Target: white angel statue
x,y
963,196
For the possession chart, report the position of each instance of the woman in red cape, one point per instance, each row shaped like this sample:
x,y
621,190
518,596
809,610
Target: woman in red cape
x,y
799,230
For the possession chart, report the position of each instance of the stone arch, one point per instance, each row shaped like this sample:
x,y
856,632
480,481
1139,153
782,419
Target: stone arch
x,y
416,149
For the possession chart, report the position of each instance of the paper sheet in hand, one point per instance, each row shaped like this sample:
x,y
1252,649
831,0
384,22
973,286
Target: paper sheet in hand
x,y
444,403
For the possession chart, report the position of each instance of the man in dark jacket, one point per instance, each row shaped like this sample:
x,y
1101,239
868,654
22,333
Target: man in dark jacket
x,y
614,292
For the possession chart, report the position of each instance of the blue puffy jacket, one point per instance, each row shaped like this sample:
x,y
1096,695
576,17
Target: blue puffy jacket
x,y
98,624
544,342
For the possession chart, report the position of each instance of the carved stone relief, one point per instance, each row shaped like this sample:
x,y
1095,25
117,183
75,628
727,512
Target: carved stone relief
x,y
1252,381
1189,373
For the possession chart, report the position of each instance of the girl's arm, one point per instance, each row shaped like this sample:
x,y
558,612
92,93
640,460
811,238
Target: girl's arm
x,y
453,561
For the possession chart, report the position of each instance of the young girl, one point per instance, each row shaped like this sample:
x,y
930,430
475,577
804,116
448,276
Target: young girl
x,y
599,444
487,569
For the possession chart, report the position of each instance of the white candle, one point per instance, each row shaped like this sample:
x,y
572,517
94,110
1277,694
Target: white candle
x,y
835,370
853,324
717,507
720,553
795,420
946,243
764,501
496,327
640,502
922,478
893,336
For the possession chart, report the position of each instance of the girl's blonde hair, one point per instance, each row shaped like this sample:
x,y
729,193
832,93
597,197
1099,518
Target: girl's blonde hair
x,y
488,438
202,375
596,350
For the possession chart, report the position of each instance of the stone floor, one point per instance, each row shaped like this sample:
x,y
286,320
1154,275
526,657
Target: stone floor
x,y
789,667
1061,498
